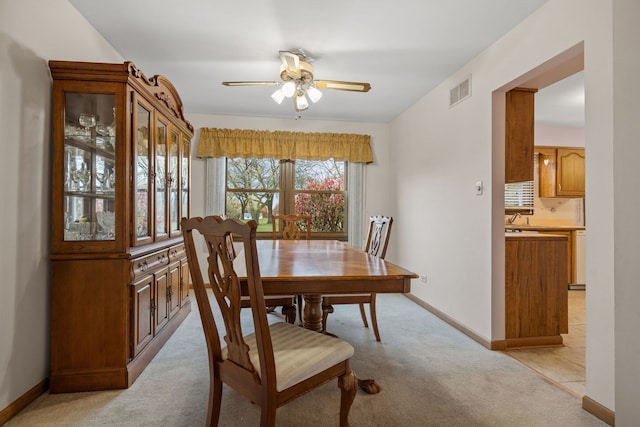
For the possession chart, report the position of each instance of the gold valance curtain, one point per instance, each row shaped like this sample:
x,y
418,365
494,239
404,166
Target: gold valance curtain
x,y
232,143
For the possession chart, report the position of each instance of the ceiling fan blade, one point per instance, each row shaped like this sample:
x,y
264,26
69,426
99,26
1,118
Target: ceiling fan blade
x,y
291,63
338,85
251,83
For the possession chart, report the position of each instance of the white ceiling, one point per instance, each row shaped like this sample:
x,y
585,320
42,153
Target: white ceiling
x,y
403,48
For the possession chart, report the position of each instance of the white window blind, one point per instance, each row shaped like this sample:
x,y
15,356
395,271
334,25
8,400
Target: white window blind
x,y
519,195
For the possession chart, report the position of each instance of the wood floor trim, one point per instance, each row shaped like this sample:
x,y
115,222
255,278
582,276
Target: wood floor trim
x,y
598,410
533,342
23,401
442,316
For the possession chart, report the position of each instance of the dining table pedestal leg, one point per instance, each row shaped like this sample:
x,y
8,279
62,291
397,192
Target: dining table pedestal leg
x,y
312,319
313,312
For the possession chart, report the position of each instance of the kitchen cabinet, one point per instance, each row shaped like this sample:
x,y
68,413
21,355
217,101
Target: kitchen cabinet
x,y
561,172
120,183
569,235
570,232
570,173
536,291
519,124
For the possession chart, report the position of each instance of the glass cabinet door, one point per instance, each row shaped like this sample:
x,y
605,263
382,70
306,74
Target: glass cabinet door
x,y
89,166
142,174
173,183
185,155
161,180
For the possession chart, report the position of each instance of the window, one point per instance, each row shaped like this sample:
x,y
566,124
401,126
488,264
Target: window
x,y
518,196
258,188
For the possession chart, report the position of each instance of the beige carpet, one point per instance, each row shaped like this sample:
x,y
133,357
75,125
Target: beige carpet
x,y
430,374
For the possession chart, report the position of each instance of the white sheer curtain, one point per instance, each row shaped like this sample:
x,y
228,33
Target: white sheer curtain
x,y
215,192
355,204
215,186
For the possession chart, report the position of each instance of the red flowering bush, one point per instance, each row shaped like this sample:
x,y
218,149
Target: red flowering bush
x,y
326,206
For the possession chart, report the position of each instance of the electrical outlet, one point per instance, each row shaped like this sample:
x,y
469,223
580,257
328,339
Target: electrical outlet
x,y
423,278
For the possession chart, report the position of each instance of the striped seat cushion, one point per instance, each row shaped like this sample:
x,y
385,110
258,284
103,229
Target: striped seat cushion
x,y
299,353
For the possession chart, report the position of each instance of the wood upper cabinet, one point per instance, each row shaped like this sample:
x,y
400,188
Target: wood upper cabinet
x,y
561,172
570,174
519,120
120,184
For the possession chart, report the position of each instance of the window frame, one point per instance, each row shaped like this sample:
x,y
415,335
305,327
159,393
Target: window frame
x,y
214,197
287,192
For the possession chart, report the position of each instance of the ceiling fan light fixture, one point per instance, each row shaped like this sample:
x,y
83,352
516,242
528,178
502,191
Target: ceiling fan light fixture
x,y
314,94
297,81
300,101
278,96
289,89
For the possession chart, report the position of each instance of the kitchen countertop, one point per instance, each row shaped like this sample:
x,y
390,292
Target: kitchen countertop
x,y
533,235
525,227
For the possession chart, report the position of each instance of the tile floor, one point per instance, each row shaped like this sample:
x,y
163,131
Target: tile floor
x,y
564,365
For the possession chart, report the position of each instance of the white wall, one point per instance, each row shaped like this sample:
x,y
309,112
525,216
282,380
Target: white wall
x,y
440,153
31,33
558,136
626,201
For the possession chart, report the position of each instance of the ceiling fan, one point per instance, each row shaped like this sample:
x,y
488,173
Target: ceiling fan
x,y
297,82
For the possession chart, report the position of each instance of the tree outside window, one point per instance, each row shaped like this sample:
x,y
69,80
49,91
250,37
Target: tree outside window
x,y
258,188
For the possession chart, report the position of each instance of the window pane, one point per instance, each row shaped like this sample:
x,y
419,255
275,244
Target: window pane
x,y
520,194
252,186
320,193
253,173
258,188
326,209
327,175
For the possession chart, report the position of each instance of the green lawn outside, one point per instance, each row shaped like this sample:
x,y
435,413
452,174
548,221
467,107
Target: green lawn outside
x,y
263,226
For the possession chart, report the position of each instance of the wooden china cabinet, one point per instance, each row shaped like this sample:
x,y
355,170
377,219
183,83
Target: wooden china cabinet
x,y
121,179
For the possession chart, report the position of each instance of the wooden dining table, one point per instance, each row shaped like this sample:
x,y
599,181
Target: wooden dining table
x,y
313,268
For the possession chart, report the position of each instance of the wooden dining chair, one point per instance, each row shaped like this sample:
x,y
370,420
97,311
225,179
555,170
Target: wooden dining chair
x,y
377,242
287,302
291,230
290,226
276,363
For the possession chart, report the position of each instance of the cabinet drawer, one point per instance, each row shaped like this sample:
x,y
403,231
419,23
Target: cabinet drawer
x,y
148,263
177,252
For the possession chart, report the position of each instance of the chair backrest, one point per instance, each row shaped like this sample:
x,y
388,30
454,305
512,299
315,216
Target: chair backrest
x,y
226,287
378,238
291,226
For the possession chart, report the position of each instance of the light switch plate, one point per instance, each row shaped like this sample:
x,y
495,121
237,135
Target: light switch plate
x,y
479,188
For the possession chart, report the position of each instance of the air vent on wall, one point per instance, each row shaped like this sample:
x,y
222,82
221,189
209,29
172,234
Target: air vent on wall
x,y
460,92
